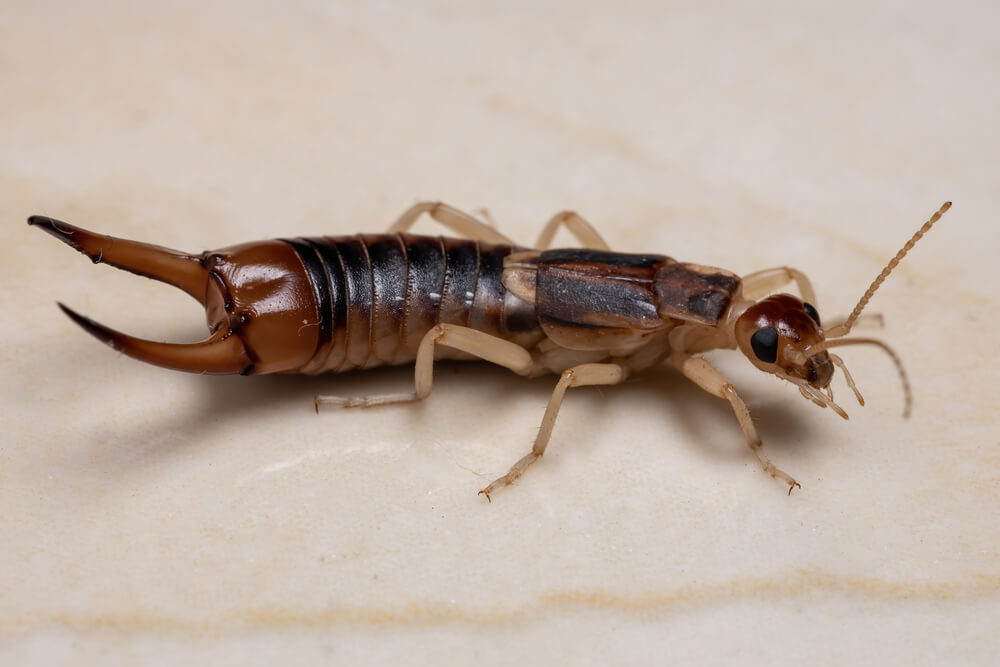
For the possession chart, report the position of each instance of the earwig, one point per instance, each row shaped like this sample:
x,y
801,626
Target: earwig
x,y
591,316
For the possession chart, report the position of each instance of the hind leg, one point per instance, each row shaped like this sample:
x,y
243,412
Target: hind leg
x,y
460,222
582,230
487,347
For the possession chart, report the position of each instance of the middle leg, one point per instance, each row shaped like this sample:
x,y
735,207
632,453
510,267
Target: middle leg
x,y
578,376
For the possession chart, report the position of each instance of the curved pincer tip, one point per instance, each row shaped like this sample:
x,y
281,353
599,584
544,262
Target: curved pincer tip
x,y
168,266
98,331
221,353
61,230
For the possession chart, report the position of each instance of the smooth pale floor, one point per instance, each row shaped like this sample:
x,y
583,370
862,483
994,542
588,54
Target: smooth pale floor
x,y
157,517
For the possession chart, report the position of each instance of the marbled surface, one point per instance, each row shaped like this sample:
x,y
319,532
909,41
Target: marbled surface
x,y
158,517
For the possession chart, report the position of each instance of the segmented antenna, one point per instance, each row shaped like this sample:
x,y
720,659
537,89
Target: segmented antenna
x,y
845,328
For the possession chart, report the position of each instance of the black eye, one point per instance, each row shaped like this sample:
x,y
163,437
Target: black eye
x,y
765,344
811,312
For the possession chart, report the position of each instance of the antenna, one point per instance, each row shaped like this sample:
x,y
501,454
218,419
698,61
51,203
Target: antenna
x,y
845,328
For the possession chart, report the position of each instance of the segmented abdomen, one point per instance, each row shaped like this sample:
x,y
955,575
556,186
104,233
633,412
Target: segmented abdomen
x,y
378,294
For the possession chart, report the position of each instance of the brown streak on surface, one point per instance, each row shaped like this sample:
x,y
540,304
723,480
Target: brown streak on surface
x,y
797,584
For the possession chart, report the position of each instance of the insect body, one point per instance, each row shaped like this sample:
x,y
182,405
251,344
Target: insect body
x,y
591,316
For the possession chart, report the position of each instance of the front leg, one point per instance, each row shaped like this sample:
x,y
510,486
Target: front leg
x,y
708,377
759,284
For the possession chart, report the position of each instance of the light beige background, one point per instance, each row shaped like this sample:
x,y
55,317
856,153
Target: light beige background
x,y
154,516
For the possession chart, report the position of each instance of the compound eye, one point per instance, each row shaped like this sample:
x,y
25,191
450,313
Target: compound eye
x,y
811,312
765,344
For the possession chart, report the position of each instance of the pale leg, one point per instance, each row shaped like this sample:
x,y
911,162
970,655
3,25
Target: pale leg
x,y
483,213
577,226
460,222
578,376
759,284
493,349
711,380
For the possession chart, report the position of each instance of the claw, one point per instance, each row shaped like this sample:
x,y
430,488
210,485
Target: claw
x,y
222,352
258,297
144,259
